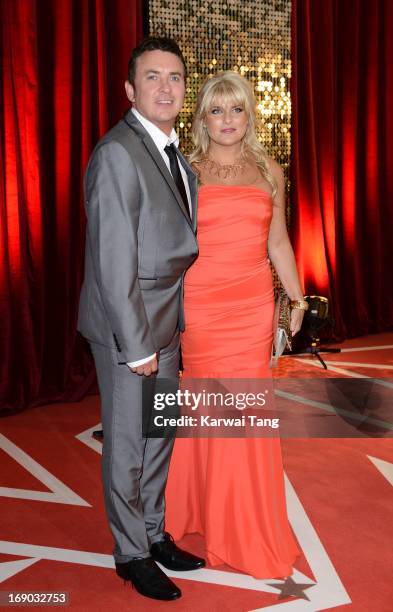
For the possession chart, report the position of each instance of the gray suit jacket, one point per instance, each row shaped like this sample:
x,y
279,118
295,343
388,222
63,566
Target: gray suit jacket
x,y
139,243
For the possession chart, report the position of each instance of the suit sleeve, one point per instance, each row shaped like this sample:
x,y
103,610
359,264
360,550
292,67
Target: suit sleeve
x,y
113,205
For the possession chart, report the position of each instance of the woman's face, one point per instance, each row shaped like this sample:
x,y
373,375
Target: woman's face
x,y
226,122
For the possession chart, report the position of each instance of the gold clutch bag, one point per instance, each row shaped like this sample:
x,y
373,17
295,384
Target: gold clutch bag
x,y
282,337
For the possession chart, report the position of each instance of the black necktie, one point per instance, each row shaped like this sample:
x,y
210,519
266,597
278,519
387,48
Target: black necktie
x,y
170,150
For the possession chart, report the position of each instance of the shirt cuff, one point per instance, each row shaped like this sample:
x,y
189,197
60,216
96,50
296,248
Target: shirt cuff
x,y
135,364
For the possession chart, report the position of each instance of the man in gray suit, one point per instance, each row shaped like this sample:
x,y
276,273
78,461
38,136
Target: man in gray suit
x,y
141,219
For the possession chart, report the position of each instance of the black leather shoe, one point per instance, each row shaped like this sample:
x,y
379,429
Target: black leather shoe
x,y
174,558
148,579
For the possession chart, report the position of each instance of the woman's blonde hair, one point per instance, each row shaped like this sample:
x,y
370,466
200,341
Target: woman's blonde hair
x,y
229,86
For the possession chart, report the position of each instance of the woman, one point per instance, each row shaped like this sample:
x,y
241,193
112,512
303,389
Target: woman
x,y
232,490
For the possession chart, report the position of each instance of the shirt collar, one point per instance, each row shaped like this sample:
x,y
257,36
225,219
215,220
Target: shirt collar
x,y
160,139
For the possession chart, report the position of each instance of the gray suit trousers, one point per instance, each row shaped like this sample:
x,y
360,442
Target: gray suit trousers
x,y
134,469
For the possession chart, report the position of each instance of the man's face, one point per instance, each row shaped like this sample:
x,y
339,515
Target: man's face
x,y
158,91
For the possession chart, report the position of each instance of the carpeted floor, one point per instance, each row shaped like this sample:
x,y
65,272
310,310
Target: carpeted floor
x,y
54,534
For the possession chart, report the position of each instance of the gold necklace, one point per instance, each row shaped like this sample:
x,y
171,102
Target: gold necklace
x,y
223,171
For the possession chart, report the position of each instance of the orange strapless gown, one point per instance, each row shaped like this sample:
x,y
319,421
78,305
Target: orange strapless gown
x,y
231,490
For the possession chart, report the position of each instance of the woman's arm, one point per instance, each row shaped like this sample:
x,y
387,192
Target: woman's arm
x,y
280,250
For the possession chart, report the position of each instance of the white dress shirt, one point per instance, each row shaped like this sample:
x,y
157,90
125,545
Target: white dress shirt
x,y
161,140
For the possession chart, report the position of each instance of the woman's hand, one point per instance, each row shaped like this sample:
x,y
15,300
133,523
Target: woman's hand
x,y
296,320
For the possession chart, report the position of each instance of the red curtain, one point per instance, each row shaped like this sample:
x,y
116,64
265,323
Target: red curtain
x,y
342,158
63,66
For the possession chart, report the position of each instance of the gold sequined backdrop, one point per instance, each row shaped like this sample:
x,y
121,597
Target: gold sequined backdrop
x,y
251,37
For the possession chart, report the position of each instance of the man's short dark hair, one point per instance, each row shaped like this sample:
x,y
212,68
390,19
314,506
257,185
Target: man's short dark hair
x,y
153,43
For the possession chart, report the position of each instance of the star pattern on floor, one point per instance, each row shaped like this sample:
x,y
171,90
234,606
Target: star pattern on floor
x,y
290,588
51,478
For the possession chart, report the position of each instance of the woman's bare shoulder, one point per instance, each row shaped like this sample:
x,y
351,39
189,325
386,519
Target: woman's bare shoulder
x,y
275,169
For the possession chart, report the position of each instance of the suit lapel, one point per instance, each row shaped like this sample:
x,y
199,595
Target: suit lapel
x,y
137,127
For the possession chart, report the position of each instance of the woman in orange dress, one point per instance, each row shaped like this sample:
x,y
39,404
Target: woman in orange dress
x,y
232,490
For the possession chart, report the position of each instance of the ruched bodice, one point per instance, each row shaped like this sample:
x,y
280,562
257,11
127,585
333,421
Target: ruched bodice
x,y
233,228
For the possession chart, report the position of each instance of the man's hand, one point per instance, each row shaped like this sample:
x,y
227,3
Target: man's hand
x,y
147,368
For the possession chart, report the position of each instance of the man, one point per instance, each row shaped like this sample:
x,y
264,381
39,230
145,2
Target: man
x,y
140,203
